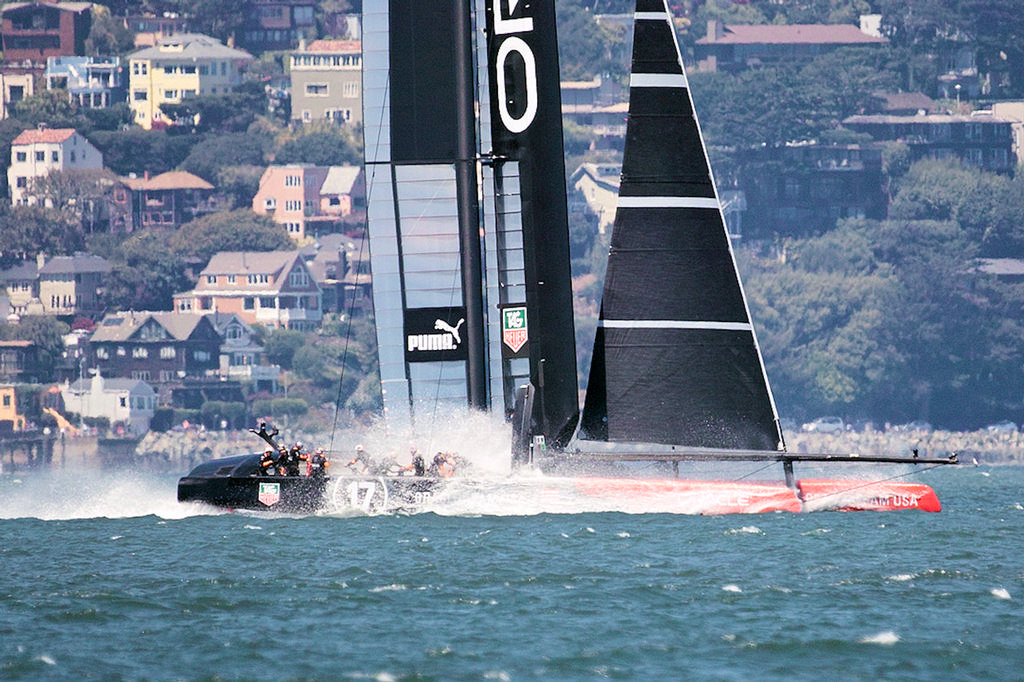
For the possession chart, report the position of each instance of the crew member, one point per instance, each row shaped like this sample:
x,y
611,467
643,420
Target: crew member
x,y
282,461
360,464
318,464
267,462
418,467
295,457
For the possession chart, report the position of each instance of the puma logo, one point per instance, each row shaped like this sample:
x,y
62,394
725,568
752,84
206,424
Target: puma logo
x,y
441,325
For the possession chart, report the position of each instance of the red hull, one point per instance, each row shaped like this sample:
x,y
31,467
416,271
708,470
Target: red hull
x,y
852,495
729,497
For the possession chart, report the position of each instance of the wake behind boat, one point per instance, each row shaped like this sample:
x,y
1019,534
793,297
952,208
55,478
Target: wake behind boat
x,y
468,230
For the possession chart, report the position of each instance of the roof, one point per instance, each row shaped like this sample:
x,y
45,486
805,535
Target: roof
x,y
249,262
926,118
340,180
121,326
820,34
25,270
1010,267
111,385
188,46
76,7
346,46
78,263
168,181
43,135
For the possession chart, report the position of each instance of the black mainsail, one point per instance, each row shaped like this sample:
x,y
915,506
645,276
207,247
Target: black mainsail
x,y
675,356
466,187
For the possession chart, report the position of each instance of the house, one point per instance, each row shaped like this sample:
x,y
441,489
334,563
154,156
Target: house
x,y
981,139
20,363
91,82
35,30
598,187
161,348
340,266
72,285
801,189
273,288
170,200
240,356
149,29
342,202
740,46
21,281
11,418
14,87
127,402
178,67
37,153
278,24
327,82
290,195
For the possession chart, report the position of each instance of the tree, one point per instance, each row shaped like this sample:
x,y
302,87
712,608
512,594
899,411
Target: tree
x,y
322,145
26,231
217,151
230,112
146,272
46,332
238,230
141,151
281,345
78,195
241,182
107,35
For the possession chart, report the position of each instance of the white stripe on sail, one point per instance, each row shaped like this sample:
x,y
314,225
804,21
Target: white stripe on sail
x,y
676,324
657,80
668,202
654,16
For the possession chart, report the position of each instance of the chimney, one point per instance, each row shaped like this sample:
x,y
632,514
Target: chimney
x,y
716,29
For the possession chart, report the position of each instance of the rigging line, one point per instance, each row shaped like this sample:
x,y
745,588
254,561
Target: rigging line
x,y
867,484
755,471
362,244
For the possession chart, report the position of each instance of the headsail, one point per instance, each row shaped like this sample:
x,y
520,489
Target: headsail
x,y
675,358
426,213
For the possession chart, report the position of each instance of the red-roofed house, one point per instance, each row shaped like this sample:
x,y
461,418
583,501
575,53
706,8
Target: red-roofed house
x,y
37,153
167,200
736,47
274,288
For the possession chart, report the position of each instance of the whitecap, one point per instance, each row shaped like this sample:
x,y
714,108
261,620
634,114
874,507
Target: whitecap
x,y
752,530
247,527
902,577
394,587
887,638
499,675
1000,593
622,534
46,659
116,537
731,588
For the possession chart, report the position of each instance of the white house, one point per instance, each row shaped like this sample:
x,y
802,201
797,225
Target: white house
x,y
37,153
123,401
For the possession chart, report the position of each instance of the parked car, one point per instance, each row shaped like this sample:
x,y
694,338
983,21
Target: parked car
x,y
1005,426
824,425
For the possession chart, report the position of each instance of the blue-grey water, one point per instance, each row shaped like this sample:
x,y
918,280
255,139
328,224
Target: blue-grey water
x,y
112,579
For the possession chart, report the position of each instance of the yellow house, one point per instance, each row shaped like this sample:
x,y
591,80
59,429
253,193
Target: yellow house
x,y
9,417
178,67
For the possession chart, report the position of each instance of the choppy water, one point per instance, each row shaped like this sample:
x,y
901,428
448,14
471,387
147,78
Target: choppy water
x,y
113,579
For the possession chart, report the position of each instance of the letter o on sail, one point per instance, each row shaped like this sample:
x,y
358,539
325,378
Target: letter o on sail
x,y
512,124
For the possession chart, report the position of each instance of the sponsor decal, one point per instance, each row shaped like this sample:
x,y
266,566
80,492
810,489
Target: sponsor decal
x,y
514,330
433,334
514,65
270,493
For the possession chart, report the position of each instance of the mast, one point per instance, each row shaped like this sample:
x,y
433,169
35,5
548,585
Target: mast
x,y
469,207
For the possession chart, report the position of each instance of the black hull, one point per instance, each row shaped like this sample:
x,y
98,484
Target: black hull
x,y
235,483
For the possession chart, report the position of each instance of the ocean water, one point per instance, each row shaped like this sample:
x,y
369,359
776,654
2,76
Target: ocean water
x,y
109,578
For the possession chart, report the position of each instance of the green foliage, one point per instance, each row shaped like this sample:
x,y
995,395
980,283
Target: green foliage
x,y
280,346
241,182
238,230
146,272
323,145
586,48
141,151
230,112
215,411
46,332
215,152
280,407
108,36
26,231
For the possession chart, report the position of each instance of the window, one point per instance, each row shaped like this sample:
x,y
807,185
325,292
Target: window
x,y
21,181
171,94
249,303
350,89
267,302
140,95
201,355
298,278
40,156
293,181
293,205
7,400
211,279
269,204
316,89
22,156
231,279
167,352
55,157
139,352
123,401
102,353
73,156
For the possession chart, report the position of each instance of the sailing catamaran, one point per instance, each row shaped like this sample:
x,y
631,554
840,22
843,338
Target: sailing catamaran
x,y
467,222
